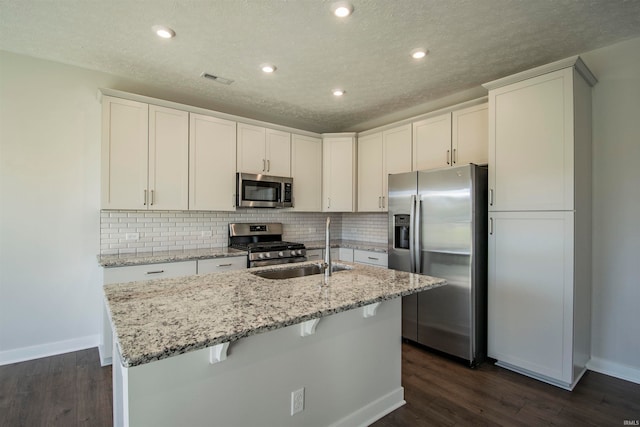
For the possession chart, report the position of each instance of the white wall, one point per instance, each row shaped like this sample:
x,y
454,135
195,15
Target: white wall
x,y
616,211
49,218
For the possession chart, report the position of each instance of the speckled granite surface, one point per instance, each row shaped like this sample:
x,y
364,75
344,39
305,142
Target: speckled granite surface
x,y
157,319
349,244
166,256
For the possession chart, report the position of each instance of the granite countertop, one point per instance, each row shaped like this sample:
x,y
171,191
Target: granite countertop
x,y
124,260
157,319
350,244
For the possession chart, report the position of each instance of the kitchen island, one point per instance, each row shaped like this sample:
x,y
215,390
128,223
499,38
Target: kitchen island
x,y
192,350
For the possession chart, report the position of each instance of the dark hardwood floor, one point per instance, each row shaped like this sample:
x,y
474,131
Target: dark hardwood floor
x,y
73,390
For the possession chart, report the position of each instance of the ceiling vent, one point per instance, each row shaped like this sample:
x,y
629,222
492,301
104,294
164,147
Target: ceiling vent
x,y
218,79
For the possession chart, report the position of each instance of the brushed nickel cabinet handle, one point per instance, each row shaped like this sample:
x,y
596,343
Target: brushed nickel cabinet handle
x,y
383,204
448,154
264,165
224,265
490,226
373,258
454,159
491,197
145,197
153,197
155,272
268,165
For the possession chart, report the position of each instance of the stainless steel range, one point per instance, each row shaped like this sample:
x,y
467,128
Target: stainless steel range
x,y
263,242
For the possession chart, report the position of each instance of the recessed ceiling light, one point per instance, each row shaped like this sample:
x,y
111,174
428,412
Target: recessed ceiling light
x,y
268,68
164,32
342,9
339,92
419,53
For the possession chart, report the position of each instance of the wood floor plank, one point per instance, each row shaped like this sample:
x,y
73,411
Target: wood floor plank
x,y
74,390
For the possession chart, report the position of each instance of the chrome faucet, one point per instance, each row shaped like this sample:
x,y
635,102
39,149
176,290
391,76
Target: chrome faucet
x,y
327,252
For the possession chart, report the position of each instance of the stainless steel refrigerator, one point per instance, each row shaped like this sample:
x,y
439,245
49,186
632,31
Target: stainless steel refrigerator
x,y
438,227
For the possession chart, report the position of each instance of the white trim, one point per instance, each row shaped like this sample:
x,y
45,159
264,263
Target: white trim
x,y
105,359
50,349
375,410
613,369
423,116
191,109
573,61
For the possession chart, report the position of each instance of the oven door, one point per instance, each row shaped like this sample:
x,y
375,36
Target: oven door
x,y
259,191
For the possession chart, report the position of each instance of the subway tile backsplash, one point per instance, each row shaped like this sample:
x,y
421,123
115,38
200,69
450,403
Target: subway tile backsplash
x,y
143,231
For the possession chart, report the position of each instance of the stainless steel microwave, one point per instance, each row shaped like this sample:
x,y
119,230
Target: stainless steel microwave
x,y
263,191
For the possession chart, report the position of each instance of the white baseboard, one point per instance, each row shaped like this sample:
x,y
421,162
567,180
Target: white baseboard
x,y
50,349
375,410
613,369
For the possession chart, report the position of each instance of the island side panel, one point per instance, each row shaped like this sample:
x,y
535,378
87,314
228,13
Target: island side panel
x,y
350,369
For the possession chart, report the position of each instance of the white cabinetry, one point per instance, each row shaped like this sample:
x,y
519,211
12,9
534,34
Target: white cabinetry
x,y
370,172
144,156
306,171
539,287
378,259
379,155
456,138
339,173
219,265
263,151
212,163
136,273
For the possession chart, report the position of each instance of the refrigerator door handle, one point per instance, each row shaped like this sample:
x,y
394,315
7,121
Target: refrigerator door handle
x,y
412,213
417,250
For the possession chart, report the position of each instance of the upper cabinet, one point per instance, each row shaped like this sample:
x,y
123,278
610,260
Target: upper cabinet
x,y
212,163
379,155
451,139
339,173
306,171
144,156
531,153
263,151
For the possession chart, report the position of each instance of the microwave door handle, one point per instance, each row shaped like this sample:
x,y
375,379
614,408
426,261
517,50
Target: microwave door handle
x,y
412,213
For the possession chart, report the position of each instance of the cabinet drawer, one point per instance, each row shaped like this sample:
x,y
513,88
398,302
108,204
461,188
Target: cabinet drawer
x,y
219,265
314,254
372,258
136,273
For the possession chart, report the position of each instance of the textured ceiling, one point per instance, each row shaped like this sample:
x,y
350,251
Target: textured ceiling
x,y
367,54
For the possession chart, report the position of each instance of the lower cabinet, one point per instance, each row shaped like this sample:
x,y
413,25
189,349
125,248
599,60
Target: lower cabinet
x,y
220,265
538,296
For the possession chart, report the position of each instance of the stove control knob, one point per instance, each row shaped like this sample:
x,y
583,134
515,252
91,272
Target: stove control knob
x,y
281,254
260,256
267,255
298,252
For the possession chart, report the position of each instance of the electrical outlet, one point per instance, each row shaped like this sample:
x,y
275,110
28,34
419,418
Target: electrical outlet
x,y
297,401
207,233
132,236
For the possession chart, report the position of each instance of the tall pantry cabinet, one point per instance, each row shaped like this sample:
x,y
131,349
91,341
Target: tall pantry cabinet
x,y
539,284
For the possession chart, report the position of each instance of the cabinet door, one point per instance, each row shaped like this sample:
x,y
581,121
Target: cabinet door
x,y
531,144
338,174
168,158
432,143
212,163
306,170
278,153
370,166
470,136
251,149
396,156
125,142
530,299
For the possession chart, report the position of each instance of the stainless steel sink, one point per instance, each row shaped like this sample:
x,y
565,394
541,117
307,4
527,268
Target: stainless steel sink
x,y
289,273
